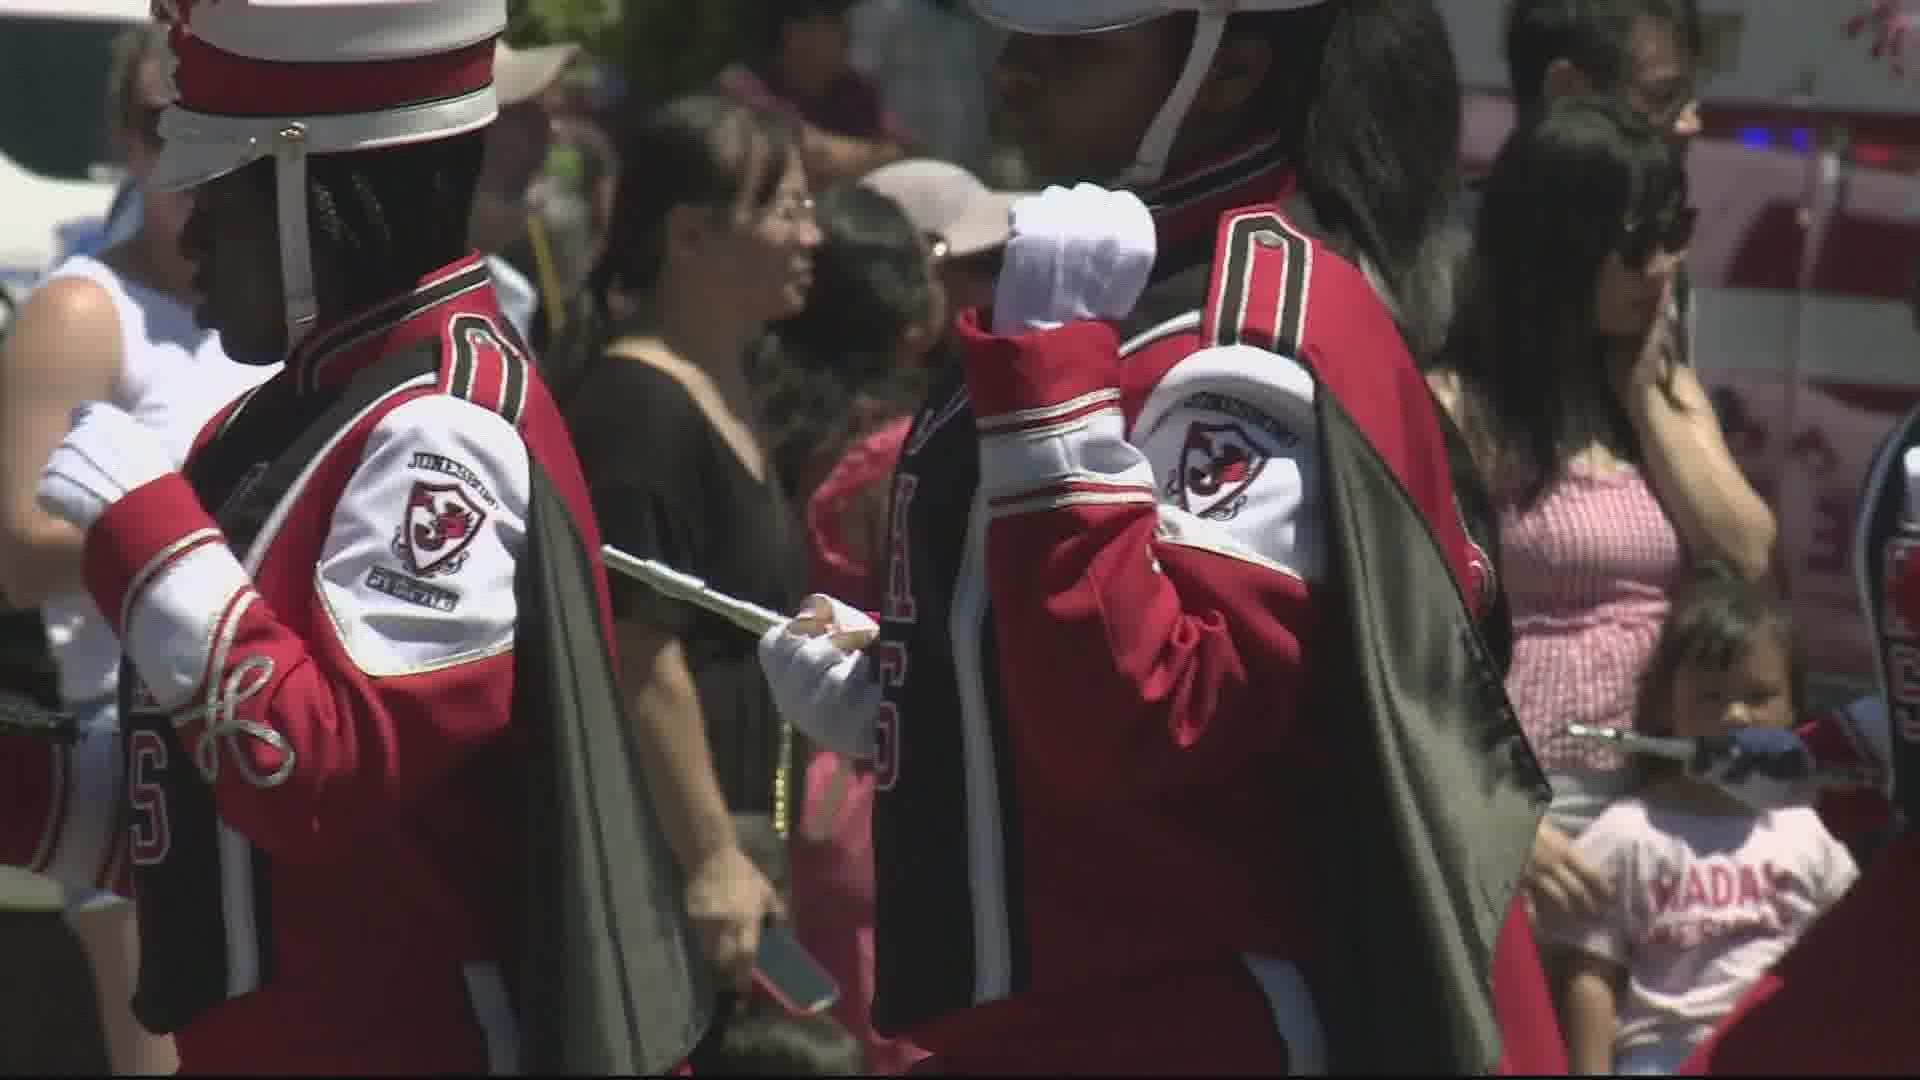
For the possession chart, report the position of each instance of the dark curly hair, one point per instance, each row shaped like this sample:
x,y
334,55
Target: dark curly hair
x,y
388,217
871,282
1715,618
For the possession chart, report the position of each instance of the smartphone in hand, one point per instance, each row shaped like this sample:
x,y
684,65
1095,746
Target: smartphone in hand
x,y
789,974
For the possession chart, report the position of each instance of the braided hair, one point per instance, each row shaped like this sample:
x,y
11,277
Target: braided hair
x,y
380,220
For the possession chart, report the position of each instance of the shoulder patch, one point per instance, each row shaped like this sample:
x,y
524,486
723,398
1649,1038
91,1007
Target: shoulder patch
x,y
1221,456
1262,271
485,366
440,523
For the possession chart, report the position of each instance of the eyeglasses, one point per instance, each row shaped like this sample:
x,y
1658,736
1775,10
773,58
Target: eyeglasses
x,y
1661,104
1669,233
792,211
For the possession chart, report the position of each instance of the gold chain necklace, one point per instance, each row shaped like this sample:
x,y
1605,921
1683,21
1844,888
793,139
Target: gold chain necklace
x,y
781,783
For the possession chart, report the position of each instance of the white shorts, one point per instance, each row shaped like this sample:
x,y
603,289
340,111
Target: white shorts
x,y
1580,795
1652,1059
91,716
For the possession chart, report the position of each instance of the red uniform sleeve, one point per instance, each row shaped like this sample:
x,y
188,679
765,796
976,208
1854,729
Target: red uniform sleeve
x,y
388,670
1163,568
1140,650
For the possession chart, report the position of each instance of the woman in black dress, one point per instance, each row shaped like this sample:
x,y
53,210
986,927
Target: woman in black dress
x,y
712,236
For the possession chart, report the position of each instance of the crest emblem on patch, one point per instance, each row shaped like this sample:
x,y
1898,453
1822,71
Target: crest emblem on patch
x,y
441,522
1217,465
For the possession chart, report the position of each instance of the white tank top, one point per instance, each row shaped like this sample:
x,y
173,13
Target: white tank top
x,y
174,376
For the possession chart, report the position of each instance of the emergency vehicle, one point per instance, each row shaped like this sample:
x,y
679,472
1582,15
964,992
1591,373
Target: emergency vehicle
x,y
1807,178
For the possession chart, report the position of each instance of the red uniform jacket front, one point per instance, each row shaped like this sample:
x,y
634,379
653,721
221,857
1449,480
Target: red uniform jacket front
x,y
1148,529
320,797
1840,1001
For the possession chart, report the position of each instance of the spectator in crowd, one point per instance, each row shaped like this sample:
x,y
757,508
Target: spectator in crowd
x,y
797,65
116,326
1645,53
90,236
573,200
1601,452
930,60
1092,667
1642,52
967,220
1706,893
712,237
517,147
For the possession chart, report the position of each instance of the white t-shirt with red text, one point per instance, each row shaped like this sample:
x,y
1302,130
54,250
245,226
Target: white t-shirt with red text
x,y
1703,905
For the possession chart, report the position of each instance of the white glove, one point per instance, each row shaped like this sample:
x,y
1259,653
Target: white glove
x,y
106,454
830,694
1073,254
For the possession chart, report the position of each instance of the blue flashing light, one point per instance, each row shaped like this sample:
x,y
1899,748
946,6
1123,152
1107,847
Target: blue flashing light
x,y
1756,138
1802,139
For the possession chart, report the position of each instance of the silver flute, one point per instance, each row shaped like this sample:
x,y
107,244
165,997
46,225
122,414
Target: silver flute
x,y
667,581
1682,749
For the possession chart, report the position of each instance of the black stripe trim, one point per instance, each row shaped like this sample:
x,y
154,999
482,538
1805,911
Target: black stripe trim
x,y
1245,235
240,406
1882,506
513,400
386,316
1218,179
463,377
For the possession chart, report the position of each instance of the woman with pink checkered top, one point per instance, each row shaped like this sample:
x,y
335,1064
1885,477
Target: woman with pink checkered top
x,y
1601,452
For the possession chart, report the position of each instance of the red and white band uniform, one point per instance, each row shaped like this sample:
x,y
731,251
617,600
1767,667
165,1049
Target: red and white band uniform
x,y
1098,768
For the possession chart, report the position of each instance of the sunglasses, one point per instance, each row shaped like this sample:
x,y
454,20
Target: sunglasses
x,y
1669,233
986,263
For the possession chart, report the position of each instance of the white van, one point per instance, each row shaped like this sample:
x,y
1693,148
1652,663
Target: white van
x,y
55,162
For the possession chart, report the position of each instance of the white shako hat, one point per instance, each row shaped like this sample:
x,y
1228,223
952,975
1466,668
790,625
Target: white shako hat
x,y
1096,16
288,78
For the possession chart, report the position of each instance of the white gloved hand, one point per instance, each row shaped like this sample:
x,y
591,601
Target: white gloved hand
x,y
828,692
106,454
1073,254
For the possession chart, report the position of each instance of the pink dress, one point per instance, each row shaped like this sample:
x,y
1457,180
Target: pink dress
x,y
831,855
1588,569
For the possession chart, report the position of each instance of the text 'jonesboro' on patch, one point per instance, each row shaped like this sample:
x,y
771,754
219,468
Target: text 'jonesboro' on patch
x,y
446,466
1209,401
411,589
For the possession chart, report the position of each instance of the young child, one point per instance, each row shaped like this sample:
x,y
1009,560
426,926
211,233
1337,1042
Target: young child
x,y
1707,893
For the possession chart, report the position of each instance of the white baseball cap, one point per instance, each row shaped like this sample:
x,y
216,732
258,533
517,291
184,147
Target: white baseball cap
x,y
948,201
1095,16
524,74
